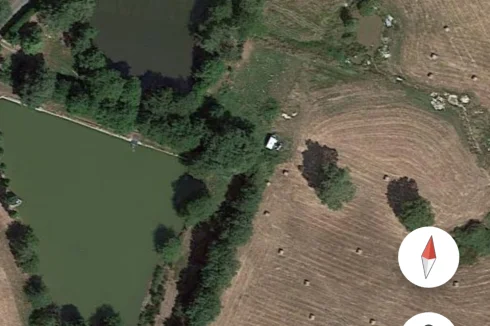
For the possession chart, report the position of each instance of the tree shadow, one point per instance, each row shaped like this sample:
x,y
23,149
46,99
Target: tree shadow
x,y
314,158
23,66
155,80
122,66
105,315
186,189
161,235
70,315
400,191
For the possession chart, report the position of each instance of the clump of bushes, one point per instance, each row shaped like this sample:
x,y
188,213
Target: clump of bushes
x,y
416,214
157,292
473,240
412,210
367,7
31,38
336,187
23,245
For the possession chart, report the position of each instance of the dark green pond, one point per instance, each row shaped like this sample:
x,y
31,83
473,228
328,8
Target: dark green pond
x,y
147,34
94,205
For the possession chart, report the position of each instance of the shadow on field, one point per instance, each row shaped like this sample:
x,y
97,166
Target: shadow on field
x,y
400,191
314,158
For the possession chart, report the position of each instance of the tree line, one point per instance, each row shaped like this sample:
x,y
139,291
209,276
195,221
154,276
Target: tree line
x,y
217,144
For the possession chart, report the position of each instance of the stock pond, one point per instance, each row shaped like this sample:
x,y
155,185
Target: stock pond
x,y
147,34
93,203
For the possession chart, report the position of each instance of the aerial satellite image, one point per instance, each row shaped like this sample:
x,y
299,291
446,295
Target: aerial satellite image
x,y
244,163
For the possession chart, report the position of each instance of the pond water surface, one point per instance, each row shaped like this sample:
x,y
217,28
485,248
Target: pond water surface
x,y
147,34
93,203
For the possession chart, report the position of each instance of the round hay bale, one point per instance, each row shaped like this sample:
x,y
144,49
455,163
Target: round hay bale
x,y
359,251
306,282
280,252
455,284
446,28
268,183
267,213
372,321
430,75
386,178
311,317
474,77
434,56
285,173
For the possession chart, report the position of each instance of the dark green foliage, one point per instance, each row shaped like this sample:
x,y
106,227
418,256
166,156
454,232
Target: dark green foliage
x,y
81,37
37,292
45,316
367,7
200,209
90,59
23,245
473,241
227,25
31,38
105,315
12,33
70,316
5,11
60,15
336,187
416,214
32,80
157,293
230,152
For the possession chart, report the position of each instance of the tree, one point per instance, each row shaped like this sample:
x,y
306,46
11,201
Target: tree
x,y
230,152
105,315
5,11
367,7
60,15
336,187
23,245
171,251
31,38
81,36
91,59
416,214
70,316
37,292
45,316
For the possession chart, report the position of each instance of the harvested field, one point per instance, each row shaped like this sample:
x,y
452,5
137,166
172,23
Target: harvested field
x,y
462,51
12,305
375,134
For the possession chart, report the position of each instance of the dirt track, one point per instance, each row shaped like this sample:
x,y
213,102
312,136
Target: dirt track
x,y
11,281
463,51
375,134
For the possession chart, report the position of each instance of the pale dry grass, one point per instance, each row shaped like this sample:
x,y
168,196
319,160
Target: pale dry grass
x,y
375,134
12,303
463,51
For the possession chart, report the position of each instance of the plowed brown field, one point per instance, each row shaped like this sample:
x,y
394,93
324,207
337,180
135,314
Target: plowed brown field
x,y
463,50
375,134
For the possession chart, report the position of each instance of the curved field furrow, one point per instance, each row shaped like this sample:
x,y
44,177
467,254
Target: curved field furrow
x,y
375,133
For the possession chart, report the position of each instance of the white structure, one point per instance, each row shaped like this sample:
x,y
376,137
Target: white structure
x,y
273,143
389,21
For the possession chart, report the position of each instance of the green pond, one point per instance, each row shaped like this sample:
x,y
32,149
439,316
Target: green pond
x,y
147,34
93,203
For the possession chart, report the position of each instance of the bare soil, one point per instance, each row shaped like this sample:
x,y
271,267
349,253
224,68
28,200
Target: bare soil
x,y
375,133
12,302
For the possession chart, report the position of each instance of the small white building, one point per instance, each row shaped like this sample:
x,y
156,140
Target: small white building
x,y
389,21
273,143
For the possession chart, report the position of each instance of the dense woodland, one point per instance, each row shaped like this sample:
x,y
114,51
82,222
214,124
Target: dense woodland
x,y
218,144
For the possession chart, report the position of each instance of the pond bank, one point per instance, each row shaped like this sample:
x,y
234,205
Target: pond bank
x,y
91,126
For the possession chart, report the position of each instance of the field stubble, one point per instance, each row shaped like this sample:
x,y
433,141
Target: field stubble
x,y
375,132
